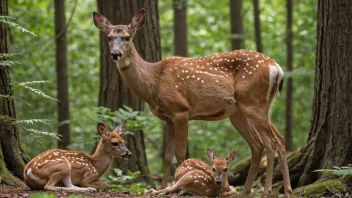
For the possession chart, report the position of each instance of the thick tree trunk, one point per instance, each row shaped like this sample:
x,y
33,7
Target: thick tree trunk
x,y
114,93
258,37
12,157
61,73
289,88
331,130
237,38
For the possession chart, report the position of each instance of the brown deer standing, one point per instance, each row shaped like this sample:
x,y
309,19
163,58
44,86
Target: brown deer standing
x,y
198,178
239,85
71,168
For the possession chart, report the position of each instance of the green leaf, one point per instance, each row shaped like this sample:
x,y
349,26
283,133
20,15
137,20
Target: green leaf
x,y
8,55
8,63
37,91
54,135
32,121
4,19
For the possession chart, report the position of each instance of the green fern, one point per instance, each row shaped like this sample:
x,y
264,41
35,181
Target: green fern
x,y
9,63
32,121
5,19
8,55
15,98
34,90
342,172
54,135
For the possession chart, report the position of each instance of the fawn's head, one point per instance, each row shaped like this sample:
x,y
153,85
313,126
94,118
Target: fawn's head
x,y
112,142
220,165
119,36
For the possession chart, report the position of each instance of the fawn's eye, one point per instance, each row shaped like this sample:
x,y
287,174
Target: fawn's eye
x,y
109,38
225,170
213,169
115,143
127,38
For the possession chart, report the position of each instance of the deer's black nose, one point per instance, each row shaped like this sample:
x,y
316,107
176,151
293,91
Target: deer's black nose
x,y
115,54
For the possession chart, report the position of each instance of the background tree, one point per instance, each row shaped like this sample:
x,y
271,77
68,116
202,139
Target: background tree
x,y
257,29
330,135
289,87
237,37
180,27
114,93
61,74
12,157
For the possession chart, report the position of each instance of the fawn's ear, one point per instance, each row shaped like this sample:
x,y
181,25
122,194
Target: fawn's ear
x,y
101,22
121,128
231,156
138,20
102,130
211,155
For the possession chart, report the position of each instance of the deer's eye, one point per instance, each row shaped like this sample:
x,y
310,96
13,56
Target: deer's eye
x,y
109,38
225,170
115,143
213,169
127,38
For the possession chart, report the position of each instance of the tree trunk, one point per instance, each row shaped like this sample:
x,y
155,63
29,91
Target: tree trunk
x,y
289,89
331,130
61,74
12,157
180,27
258,37
114,93
237,38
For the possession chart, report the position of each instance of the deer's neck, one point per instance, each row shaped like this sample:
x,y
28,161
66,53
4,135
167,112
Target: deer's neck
x,y
138,74
100,159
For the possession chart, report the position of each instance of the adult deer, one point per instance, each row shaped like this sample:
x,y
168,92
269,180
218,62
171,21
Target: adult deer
x,y
198,178
239,85
71,168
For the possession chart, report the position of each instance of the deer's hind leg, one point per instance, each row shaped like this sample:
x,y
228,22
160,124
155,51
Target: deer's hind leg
x,y
60,172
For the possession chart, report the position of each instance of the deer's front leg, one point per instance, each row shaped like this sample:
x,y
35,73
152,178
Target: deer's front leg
x,y
180,121
169,152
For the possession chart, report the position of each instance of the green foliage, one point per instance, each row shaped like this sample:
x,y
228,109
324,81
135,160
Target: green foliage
x,y
43,195
51,195
342,172
5,19
122,183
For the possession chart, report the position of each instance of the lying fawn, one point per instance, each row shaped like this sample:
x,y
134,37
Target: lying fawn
x,y
198,178
71,168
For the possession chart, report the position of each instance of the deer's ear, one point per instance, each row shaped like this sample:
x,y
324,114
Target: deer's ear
x,y
138,20
102,130
211,155
101,22
121,128
231,156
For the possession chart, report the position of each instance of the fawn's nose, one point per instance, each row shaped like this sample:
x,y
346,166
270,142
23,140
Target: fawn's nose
x,y
218,181
128,154
116,54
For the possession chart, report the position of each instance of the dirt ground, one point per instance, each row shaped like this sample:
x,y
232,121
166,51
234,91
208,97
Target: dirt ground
x,y
21,192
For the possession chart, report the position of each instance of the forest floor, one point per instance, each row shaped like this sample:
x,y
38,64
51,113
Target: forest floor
x,y
24,191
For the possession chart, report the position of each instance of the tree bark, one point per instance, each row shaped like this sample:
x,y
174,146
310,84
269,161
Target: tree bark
x,y
237,38
180,27
289,89
12,157
331,129
61,74
258,37
114,93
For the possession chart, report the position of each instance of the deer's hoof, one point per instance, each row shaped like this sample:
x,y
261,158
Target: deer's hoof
x,y
92,190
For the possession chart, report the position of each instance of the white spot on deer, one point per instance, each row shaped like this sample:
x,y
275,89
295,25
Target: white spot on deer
x,y
217,81
170,69
243,76
196,181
